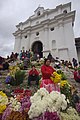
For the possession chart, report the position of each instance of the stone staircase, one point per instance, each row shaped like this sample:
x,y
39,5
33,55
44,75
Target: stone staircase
x,y
8,88
71,80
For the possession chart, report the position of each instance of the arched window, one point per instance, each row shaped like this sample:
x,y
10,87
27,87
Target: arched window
x,y
37,33
38,13
53,44
65,11
23,48
52,28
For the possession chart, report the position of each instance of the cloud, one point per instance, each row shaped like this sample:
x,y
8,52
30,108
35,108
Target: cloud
x,y
6,49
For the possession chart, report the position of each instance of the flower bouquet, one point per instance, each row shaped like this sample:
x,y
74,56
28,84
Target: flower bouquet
x,y
70,114
63,76
25,104
43,101
56,78
17,109
65,89
48,116
3,101
19,77
13,70
16,76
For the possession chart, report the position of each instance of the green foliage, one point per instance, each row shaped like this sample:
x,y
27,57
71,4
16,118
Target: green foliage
x,y
78,68
20,65
66,90
19,77
59,71
63,76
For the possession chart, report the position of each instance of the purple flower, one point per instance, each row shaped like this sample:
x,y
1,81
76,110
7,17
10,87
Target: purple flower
x,y
48,116
25,103
51,116
8,79
6,113
78,107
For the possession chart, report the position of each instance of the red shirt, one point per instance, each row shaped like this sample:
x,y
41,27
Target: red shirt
x,y
76,75
35,72
46,71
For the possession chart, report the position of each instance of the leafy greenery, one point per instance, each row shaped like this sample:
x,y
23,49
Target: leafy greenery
x,y
19,77
63,76
66,91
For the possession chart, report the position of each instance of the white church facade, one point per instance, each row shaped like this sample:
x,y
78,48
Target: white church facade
x,y
49,30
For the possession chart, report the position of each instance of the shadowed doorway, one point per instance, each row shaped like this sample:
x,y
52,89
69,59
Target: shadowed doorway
x,y
37,48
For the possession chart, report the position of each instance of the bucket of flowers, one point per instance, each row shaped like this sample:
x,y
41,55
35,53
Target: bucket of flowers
x,y
15,76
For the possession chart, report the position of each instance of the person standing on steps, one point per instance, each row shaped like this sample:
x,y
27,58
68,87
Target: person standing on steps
x,y
47,72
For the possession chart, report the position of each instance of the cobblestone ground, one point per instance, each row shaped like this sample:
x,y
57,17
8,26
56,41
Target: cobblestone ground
x,y
8,88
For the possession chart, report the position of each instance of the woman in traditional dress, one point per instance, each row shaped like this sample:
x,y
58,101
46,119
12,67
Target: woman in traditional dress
x,y
47,72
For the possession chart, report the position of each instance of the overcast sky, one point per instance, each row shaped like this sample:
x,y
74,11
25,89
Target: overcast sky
x,y
14,11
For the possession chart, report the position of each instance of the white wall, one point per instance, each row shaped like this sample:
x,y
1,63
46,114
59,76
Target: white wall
x,y
70,41
60,42
17,45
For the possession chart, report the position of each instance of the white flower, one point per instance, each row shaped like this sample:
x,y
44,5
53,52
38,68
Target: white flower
x,y
15,105
71,114
42,101
68,101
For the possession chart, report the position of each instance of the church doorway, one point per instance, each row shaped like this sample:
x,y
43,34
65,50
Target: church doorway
x,y
37,48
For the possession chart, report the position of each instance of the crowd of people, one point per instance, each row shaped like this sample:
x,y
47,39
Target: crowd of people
x,y
46,69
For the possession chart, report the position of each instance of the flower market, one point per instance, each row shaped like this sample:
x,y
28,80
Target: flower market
x,y
40,60
55,100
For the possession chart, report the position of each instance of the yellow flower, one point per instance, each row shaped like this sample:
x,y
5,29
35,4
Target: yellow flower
x,y
3,101
2,108
63,83
2,94
56,78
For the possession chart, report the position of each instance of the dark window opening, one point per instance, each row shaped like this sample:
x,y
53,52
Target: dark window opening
x,y
65,11
72,24
52,29
37,33
26,36
38,13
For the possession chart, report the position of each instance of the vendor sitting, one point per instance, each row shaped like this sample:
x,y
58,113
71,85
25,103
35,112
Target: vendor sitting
x,y
77,75
33,76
